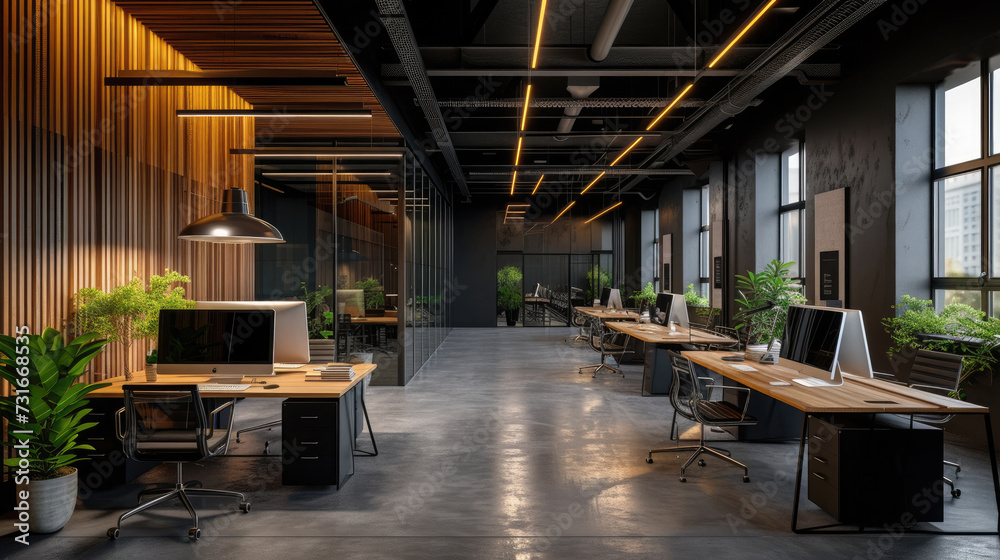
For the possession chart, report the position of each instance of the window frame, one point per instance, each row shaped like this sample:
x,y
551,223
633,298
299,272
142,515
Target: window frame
x,y
705,251
798,206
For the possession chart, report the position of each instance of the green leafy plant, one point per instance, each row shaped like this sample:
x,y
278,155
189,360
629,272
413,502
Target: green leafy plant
x,y
130,312
321,318
53,417
374,298
693,298
916,317
509,287
757,289
597,279
151,356
646,294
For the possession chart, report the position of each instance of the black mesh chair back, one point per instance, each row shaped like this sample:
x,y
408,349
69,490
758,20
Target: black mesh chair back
x,y
685,390
167,423
935,370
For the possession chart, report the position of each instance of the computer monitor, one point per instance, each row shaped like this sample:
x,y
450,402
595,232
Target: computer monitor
x,y
216,342
661,309
538,290
605,295
827,338
291,326
679,311
351,302
615,300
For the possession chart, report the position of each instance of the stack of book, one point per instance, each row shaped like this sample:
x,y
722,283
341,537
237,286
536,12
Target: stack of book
x,y
332,372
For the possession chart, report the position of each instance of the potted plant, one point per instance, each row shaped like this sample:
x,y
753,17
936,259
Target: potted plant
x,y
374,297
509,296
597,278
769,285
647,294
699,306
322,320
130,312
49,423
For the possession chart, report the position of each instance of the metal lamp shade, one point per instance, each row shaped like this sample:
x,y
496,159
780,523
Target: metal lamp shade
x,y
234,224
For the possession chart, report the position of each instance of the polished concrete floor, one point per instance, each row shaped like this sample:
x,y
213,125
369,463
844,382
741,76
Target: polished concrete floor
x,y
498,448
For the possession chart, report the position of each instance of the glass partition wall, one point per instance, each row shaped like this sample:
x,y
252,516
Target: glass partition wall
x,y
367,248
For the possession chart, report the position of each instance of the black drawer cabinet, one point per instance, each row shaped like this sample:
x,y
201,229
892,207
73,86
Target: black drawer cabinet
x,y
872,473
318,440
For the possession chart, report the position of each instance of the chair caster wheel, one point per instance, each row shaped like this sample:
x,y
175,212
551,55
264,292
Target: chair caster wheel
x,y
746,478
194,533
238,439
701,462
114,533
649,459
245,507
956,493
684,479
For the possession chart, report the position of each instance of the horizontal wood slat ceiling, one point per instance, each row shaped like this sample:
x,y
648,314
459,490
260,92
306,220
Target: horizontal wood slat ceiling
x,y
268,34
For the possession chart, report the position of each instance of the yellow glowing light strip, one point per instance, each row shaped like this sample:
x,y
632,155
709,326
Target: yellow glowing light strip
x,y
563,211
527,97
592,183
538,184
605,211
517,158
513,182
538,34
739,35
671,106
621,155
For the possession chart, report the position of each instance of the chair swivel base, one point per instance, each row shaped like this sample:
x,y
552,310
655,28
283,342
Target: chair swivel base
x,y
182,493
599,367
701,463
649,457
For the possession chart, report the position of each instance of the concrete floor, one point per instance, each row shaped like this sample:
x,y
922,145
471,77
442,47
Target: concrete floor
x,y
499,449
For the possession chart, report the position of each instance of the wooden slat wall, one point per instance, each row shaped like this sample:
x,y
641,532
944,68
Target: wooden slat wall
x,y
97,181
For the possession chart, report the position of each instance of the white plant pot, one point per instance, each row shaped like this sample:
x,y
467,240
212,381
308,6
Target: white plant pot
x,y
50,502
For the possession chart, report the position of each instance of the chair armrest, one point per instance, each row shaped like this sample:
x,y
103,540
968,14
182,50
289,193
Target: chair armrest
x,y
118,424
746,403
944,390
887,377
211,417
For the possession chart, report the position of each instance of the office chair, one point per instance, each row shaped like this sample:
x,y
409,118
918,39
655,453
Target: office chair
x,y
940,372
729,332
580,320
686,397
608,342
167,423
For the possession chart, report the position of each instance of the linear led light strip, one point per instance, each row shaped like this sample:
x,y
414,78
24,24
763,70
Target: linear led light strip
x,y
513,182
538,35
627,150
517,158
740,35
587,188
670,106
605,211
563,211
538,184
527,98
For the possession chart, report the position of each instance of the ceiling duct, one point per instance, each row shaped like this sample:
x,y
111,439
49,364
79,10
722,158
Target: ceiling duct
x,y
579,88
397,25
614,17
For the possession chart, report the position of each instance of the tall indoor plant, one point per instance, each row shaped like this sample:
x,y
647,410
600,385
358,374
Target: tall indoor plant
x,y
757,289
374,298
597,279
130,312
509,296
51,420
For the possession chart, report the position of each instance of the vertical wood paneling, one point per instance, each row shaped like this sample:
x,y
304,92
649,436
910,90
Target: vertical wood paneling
x,y
98,181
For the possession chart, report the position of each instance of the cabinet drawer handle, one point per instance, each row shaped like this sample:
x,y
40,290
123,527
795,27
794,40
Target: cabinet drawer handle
x,y
821,438
95,439
821,460
309,417
310,458
95,454
310,443
819,476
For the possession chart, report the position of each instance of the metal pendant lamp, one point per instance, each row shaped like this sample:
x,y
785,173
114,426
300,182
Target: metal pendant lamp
x,y
234,224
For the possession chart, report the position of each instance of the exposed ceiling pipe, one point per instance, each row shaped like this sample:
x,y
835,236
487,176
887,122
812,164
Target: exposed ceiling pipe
x,y
614,17
579,88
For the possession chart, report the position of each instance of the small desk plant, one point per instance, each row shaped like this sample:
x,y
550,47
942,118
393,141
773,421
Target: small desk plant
x,y
46,419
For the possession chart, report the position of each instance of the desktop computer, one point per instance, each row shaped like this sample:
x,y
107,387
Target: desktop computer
x,y
291,329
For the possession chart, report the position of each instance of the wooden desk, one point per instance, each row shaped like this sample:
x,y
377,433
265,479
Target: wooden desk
x,y
856,396
604,314
659,334
328,415
382,321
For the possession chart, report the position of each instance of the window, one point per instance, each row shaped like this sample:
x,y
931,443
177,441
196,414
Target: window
x,y
966,175
791,245
704,245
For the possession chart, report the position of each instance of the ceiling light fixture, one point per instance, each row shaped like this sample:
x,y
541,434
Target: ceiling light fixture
x,y
538,35
344,114
598,178
538,184
234,224
739,35
527,98
513,182
323,173
517,157
627,150
671,106
605,211
563,212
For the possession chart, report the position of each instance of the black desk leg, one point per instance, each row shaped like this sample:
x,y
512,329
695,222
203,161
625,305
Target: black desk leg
x,y
993,465
798,473
371,434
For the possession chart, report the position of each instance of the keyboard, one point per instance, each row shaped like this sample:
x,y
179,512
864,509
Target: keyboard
x,y
744,368
289,366
810,382
220,387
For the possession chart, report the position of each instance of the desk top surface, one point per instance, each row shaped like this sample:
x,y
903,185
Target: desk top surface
x,y
605,314
651,332
291,384
375,320
856,395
